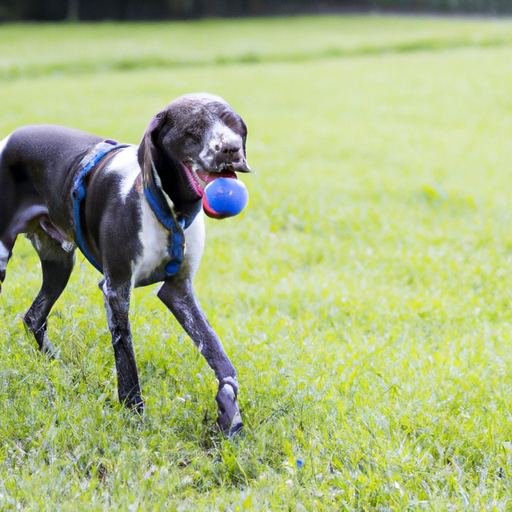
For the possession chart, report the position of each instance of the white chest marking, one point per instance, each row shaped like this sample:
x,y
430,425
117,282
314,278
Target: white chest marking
x,y
154,240
195,239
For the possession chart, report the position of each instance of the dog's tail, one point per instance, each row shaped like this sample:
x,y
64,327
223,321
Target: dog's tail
x,y
12,189
6,243
7,213
5,254
21,207
5,250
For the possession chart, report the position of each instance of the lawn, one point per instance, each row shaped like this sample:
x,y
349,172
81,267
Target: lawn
x,y
364,295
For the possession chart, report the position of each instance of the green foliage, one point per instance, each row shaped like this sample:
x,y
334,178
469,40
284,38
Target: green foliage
x,y
364,295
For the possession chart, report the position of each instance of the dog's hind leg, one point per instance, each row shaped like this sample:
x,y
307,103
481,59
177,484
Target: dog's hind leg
x,y
178,295
56,265
117,304
25,218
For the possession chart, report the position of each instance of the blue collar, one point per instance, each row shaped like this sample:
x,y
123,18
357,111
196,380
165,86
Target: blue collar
x,y
78,193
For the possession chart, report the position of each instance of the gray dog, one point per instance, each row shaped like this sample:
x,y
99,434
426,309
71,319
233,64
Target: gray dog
x,y
134,212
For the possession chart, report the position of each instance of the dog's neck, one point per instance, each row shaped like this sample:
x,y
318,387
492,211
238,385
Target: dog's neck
x,y
164,210
160,203
168,209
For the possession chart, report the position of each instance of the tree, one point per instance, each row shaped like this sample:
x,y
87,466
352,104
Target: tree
x,y
73,10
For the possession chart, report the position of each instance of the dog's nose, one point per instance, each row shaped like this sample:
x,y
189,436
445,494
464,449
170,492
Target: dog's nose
x,y
228,151
230,148
231,156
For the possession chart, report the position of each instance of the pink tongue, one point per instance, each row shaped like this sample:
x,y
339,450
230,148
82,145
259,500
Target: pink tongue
x,y
208,177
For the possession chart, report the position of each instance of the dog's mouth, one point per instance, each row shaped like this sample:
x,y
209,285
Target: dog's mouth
x,y
198,179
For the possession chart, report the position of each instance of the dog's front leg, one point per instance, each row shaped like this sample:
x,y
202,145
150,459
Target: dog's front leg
x,y
117,304
178,295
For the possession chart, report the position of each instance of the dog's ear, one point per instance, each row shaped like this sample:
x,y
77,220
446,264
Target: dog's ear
x,y
159,167
161,170
150,159
148,154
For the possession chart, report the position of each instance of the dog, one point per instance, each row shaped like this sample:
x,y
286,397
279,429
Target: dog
x,y
135,213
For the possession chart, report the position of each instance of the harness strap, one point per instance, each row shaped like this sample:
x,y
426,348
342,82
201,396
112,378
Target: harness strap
x,y
154,196
78,193
166,217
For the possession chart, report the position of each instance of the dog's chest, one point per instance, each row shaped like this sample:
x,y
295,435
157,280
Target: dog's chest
x,y
154,240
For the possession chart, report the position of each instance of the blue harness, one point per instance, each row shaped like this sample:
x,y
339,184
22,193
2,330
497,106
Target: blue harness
x,y
164,214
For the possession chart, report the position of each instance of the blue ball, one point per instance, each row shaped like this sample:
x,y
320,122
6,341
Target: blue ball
x,y
225,197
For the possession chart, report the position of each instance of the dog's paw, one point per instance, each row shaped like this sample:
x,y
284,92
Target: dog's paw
x,y
229,419
49,350
230,428
136,405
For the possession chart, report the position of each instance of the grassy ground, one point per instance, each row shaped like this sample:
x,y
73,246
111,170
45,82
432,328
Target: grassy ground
x,y
364,295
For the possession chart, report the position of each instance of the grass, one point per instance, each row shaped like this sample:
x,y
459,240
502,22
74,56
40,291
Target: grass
x,y
112,47
364,295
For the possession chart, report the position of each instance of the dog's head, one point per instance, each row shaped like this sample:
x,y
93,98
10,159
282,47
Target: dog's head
x,y
195,139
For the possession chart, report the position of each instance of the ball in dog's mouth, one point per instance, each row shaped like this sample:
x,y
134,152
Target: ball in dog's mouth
x,y
223,194
225,197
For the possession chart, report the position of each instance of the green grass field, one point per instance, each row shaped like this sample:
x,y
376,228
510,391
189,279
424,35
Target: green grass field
x,y
364,295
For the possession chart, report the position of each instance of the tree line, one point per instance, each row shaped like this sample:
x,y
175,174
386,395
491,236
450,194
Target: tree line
x,y
96,10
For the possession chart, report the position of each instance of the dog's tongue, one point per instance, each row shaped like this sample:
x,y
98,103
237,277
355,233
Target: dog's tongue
x,y
208,177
